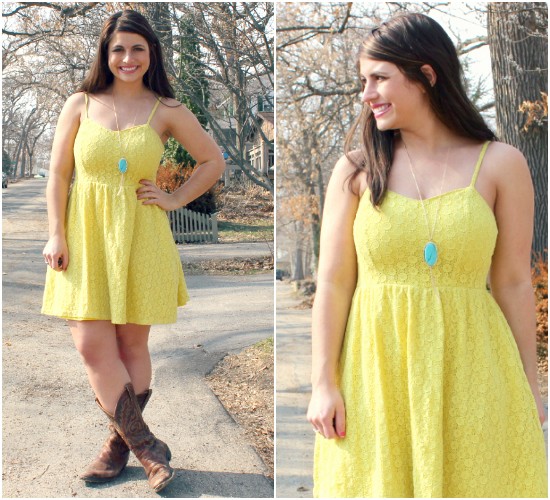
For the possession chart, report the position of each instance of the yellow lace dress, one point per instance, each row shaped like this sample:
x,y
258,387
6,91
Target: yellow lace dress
x,y
437,402
123,264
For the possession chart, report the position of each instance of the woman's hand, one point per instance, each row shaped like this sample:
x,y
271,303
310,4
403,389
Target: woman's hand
x,y
56,253
326,412
153,195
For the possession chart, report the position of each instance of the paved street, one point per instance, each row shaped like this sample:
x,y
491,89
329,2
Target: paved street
x,y
295,437
51,425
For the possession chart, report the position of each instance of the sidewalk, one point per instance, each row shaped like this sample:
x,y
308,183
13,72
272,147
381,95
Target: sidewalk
x,y
295,437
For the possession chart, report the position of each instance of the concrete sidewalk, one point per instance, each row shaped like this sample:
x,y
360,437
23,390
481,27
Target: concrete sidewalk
x,y
295,437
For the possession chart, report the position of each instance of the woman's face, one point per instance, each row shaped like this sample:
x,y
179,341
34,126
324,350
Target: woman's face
x,y
128,56
395,101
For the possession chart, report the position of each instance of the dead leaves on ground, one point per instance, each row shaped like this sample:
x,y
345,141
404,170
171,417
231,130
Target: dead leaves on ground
x,y
238,266
244,384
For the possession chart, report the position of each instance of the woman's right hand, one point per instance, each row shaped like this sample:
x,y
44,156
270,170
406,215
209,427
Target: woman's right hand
x,y
56,251
326,412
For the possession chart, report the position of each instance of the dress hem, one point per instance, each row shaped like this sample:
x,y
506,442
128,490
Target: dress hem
x,y
76,317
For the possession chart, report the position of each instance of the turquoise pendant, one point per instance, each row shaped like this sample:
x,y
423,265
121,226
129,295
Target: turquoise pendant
x,y
430,253
123,165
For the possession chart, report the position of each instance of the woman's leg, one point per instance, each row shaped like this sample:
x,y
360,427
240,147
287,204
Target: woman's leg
x,y
134,353
96,341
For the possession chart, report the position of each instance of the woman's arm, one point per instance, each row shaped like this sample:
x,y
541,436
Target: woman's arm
x,y
186,129
336,281
510,277
59,180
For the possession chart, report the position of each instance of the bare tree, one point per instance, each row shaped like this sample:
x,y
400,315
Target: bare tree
x,y
237,40
518,38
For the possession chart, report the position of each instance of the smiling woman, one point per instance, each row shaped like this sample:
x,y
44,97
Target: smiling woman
x,y
113,267
424,384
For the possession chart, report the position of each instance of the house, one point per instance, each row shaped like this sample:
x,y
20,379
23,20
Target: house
x,y
257,134
261,153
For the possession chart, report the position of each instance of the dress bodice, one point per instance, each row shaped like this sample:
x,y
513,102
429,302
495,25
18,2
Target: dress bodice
x,y
97,152
390,241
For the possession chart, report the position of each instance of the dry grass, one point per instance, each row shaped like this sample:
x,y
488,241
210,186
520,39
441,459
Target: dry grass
x,y
244,384
245,215
236,266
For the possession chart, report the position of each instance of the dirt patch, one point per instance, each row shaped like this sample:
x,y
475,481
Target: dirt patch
x,y
244,206
244,384
245,215
237,266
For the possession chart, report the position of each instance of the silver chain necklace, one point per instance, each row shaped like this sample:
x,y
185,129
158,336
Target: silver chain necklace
x,y
122,162
431,252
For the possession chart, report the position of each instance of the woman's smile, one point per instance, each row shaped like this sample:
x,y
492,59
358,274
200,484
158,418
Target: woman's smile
x,y
380,109
128,69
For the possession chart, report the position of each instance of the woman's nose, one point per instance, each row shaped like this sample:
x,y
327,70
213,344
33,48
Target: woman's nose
x,y
369,93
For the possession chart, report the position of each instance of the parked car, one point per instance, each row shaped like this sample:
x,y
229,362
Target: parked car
x,y
4,180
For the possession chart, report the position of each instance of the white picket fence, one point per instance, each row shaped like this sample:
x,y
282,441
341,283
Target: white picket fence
x,y
192,227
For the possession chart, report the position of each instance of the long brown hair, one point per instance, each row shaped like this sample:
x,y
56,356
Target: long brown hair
x,y
100,77
410,41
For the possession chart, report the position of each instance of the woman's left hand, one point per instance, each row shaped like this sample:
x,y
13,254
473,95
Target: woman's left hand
x,y
153,195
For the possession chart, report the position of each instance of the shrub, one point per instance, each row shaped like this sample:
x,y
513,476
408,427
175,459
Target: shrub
x,y
539,273
171,176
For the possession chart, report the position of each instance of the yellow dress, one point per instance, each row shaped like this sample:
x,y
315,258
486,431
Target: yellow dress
x,y
123,264
437,402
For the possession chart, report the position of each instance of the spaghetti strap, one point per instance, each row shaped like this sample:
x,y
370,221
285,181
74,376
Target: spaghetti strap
x,y
479,162
86,101
154,109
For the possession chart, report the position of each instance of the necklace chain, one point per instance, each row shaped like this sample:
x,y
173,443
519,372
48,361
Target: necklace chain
x,y
430,249
123,150
431,230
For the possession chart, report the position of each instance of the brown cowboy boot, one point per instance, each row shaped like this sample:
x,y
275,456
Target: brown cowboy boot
x,y
114,454
153,453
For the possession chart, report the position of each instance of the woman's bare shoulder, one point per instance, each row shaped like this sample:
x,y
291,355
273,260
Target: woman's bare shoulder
x,y
348,163
345,169
172,105
506,163
75,100
503,151
73,107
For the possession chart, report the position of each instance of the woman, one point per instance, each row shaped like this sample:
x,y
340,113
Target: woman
x,y
424,383
113,267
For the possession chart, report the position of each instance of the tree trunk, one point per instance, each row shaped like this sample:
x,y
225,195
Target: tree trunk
x,y
297,264
159,14
519,56
315,221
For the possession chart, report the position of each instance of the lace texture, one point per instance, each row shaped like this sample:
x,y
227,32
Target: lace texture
x,y
437,402
123,263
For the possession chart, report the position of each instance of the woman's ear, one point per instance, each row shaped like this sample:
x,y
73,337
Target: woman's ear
x,y
429,73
